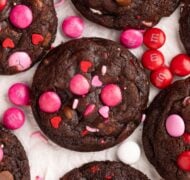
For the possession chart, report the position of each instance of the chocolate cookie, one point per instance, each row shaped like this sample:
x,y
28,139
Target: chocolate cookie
x,y
166,133
119,14
105,170
27,29
13,161
89,94
185,25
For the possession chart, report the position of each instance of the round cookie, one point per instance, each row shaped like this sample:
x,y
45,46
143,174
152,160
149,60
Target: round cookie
x,y
119,14
166,137
185,25
14,163
105,170
27,29
89,94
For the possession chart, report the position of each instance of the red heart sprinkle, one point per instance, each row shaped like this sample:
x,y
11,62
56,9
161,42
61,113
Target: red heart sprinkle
x,y
37,39
85,65
84,132
55,121
8,43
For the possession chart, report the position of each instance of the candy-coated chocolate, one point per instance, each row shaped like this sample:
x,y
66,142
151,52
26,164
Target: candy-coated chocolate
x,y
49,102
2,4
20,60
21,16
186,138
111,95
180,65
104,111
73,26
161,77
79,85
13,118
154,38
131,38
183,161
129,152
175,125
152,59
19,94
1,154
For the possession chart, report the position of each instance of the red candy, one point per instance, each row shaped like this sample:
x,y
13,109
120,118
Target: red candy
x,y
8,43
79,85
2,4
111,95
186,138
183,161
154,38
180,65
85,66
152,59
55,121
37,39
161,77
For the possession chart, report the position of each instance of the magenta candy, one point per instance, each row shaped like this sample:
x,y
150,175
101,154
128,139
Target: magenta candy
x,y
175,125
20,60
131,38
19,94
13,118
111,95
73,26
49,102
21,16
79,85
1,154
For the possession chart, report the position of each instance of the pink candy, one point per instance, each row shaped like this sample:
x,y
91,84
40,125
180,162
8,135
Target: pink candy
x,y
111,95
19,94
131,38
104,111
1,154
89,109
96,82
21,16
73,26
13,118
79,85
20,60
175,125
49,102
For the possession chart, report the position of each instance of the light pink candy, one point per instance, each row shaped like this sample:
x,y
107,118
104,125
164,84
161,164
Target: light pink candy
x,y
20,60
111,95
21,16
73,26
104,111
19,94
13,118
1,154
131,38
89,109
175,125
49,102
79,85
96,81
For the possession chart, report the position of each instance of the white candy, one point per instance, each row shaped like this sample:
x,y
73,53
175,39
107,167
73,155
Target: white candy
x,y
129,152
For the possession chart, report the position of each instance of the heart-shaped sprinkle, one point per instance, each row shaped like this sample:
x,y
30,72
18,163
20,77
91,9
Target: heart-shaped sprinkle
x,y
85,66
96,81
55,121
8,43
84,132
89,109
104,111
37,39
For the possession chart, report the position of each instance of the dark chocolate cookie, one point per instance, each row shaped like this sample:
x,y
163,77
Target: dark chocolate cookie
x,y
119,14
185,25
89,94
27,29
105,170
13,161
166,133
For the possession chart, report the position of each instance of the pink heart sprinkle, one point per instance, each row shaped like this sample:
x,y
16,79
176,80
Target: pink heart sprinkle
x,y
104,111
96,81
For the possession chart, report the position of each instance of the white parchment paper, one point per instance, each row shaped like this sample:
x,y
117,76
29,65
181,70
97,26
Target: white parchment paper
x,y
50,161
